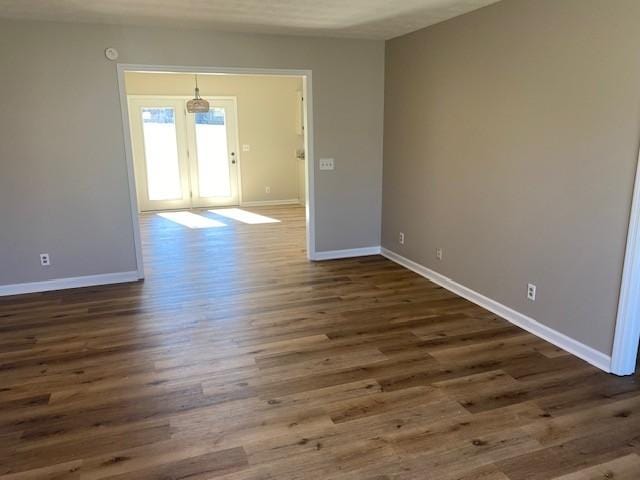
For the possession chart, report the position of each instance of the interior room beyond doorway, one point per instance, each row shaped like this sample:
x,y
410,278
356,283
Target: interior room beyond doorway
x,y
247,150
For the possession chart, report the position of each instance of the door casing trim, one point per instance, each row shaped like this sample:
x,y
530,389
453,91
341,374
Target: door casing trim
x,y
627,330
307,88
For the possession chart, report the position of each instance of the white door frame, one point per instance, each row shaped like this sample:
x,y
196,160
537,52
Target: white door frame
x,y
140,157
235,164
211,98
122,68
627,334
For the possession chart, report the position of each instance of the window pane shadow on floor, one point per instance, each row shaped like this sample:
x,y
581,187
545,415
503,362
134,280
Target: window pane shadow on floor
x,y
191,220
244,216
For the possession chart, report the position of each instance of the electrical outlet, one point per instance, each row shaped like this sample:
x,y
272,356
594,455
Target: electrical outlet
x,y
401,238
246,148
439,253
267,189
45,260
531,292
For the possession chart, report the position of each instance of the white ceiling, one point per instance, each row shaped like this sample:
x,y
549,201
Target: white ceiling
x,y
376,19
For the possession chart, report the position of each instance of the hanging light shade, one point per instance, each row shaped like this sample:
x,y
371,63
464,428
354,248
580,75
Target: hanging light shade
x,y
197,104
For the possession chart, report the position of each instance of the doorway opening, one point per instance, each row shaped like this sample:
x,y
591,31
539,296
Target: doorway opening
x,y
245,161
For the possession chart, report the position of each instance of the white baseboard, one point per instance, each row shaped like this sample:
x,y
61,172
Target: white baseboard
x,y
264,203
70,282
588,354
350,253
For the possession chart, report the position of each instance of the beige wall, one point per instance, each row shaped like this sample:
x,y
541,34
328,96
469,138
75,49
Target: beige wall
x,y
267,116
63,175
511,141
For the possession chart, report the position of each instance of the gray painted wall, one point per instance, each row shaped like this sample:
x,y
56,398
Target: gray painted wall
x,y
63,179
511,141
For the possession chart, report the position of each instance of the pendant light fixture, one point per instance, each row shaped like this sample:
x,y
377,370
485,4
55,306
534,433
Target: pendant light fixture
x,y
197,104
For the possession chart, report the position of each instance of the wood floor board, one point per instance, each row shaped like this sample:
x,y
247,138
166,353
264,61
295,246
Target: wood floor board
x,y
238,359
623,468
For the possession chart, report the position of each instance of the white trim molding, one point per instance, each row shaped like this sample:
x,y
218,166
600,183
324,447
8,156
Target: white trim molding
x,y
69,282
349,253
128,152
627,333
264,203
586,353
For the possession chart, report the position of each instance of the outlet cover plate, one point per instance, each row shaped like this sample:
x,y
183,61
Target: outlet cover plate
x,y
531,292
327,164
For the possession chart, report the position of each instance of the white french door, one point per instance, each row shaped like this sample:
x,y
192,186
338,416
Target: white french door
x,y
213,154
181,159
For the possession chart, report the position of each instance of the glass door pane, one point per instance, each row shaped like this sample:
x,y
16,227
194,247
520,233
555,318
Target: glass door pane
x,y
212,151
161,153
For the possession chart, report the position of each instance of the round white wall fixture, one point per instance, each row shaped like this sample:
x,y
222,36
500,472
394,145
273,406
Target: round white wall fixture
x,y
111,53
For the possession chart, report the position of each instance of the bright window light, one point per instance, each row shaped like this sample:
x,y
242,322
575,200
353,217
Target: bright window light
x,y
213,154
161,153
243,216
191,220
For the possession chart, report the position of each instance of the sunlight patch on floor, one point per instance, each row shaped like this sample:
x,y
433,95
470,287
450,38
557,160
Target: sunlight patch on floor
x,y
244,216
191,220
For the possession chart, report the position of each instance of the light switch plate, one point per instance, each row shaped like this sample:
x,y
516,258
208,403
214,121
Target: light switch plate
x,y
326,164
246,148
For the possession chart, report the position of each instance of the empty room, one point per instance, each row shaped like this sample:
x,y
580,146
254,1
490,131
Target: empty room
x,y
364,240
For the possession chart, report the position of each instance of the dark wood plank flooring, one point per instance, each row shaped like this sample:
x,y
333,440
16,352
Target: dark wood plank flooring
x,y
238,359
